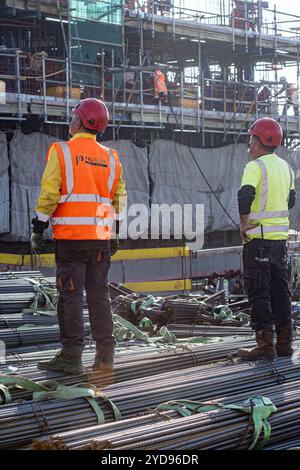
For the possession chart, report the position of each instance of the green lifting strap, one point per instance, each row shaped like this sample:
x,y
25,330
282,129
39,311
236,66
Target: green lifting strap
x,y
51,389
168,336
130,327
243,317
145,323
260,408
186,407
9,370
5,396
116,411
224,314
51,299
139,304
63,392
27,384
97,410
121,333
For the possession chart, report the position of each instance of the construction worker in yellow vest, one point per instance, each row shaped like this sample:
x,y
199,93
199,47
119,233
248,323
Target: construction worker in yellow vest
x,y
81,185
267,193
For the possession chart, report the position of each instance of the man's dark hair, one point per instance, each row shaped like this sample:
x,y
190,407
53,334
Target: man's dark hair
x,y
265,147
87,130
90,131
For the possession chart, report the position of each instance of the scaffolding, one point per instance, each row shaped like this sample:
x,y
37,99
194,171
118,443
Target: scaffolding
x,y
111,49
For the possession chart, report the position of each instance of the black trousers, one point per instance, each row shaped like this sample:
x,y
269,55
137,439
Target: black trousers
x,y
78,268
266,283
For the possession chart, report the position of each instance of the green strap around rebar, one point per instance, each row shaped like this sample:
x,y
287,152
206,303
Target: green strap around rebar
x,y
5,396
167,336
225,313
51,389
139,304
130,328
260,408
50,296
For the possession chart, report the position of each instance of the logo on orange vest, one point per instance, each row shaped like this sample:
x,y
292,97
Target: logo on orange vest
x,y
95,161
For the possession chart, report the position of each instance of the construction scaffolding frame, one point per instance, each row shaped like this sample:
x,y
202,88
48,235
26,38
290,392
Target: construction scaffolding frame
x,y
197,102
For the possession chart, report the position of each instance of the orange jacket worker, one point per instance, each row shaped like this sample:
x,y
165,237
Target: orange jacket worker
x,y
80,192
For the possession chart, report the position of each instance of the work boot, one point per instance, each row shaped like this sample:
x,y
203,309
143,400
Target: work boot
x,y
265,348
102,373
65,362
104,354
284,341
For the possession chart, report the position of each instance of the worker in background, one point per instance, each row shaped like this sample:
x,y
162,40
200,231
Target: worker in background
x,y
238,19
81,185
264,100
291,93
160,87
267,193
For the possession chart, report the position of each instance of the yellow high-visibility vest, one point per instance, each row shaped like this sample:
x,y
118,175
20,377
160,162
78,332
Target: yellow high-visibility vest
x,y
273,180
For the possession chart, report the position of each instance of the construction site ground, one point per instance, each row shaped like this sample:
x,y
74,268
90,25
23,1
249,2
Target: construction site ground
x,y
177,383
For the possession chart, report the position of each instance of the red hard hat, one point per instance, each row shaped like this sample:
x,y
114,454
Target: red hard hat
x,y
93,114
268,130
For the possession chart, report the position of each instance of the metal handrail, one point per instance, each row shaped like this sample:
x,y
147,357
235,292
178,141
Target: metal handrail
x,y
58,75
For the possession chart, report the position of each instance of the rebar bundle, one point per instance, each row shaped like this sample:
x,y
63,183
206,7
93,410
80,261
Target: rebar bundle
x,y
20,423
191,311
184,331
129,366
147,372
181,311
16,320
13,338
82,438
15,303
13,275
222,429
17,352
217,429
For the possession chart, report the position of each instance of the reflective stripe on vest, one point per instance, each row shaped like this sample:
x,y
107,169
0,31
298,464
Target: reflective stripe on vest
x,y
68,165
268,228
82,221
67,224
269,215
112,174
85,198
70,179
263,214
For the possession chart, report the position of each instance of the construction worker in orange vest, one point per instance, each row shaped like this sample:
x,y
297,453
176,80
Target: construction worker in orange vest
x,y
160,87
80,192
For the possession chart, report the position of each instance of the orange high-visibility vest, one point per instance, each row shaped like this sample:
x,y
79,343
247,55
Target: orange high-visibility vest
x,y
90,173
159,83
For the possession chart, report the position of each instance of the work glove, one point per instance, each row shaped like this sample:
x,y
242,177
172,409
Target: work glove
x,y
114,245
37,241
37,237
